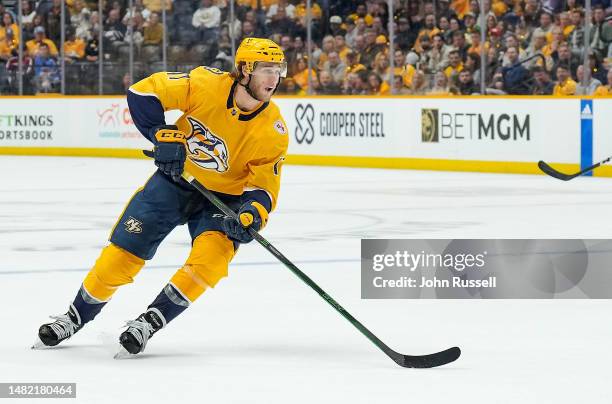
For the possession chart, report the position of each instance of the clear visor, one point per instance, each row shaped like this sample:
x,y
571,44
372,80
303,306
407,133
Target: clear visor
x,y
267,69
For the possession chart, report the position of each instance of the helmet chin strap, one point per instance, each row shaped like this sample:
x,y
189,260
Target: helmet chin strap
x,y
250,92
247,87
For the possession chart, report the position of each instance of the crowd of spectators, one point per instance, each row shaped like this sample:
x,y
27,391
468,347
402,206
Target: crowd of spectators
x,y
529,47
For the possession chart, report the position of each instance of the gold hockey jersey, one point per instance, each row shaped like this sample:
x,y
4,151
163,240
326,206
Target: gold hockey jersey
x,y
229,150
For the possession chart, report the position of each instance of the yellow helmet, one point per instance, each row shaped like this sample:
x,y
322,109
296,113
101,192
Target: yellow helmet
x,y
253,50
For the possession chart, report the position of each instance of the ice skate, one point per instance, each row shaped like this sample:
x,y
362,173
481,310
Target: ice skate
x,y
139,331
64,327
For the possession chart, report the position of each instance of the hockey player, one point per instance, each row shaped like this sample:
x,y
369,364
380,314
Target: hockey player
x,y
232,139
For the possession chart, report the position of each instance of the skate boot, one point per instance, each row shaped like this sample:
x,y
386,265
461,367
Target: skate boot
x,y
64,327
135,338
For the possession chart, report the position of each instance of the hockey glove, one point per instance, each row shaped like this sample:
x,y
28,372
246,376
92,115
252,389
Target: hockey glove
x,y
169,151
252,215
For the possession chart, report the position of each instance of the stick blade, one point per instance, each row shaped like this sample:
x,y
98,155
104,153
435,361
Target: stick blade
x,y
546,169
428,361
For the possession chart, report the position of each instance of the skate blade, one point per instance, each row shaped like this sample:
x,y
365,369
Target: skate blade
x,y
123,354
38,344
108,342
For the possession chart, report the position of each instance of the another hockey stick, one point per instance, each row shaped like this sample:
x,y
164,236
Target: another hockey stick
x,y
566,177
408,361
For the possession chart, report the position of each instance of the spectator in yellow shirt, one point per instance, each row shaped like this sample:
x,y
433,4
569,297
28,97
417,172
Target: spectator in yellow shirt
x,y
301,74
156,5
153,31
74,48
377,86
353,65
565,84
398,86
430,30
499,7
328,45
557,39
399,60
381,67
290,87
40,38
475,42
605,91
362,12
7,44
546,26
576,16
539,45
455,65
341,47
6,24
461,7
265,4
565,24
315,10
408,74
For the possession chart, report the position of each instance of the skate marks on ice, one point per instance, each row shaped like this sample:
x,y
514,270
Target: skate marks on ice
x,y
356,224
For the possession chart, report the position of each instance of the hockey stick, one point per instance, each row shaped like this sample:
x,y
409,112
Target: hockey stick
x,y
566,177
408,361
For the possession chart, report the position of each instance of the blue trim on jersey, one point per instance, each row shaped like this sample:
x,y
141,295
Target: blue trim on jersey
x,y
586,135
243,117
147,112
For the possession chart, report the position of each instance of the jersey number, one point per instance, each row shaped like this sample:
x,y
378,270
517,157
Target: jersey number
x,y
177,75
213,70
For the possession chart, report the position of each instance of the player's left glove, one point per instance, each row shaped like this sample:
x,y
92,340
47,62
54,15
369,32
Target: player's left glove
x,y
253,215
169,151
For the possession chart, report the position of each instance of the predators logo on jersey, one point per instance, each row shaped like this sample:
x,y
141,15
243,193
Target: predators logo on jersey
x,y
207,150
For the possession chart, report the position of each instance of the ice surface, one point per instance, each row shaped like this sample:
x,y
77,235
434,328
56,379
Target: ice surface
x,y
262,336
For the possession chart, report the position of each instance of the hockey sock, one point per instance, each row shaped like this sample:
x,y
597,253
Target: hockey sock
x,y
87,306
170,302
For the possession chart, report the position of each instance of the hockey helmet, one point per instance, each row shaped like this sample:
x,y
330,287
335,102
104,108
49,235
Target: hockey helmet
x,y
254,50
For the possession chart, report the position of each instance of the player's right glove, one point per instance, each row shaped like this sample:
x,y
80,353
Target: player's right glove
x,y
252,214
169,151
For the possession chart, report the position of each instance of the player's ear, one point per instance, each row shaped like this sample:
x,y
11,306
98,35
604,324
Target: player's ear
x,y
243,70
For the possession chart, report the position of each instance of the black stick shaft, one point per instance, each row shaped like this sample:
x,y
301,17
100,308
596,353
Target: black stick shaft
x,y
409,361
261,240
594,166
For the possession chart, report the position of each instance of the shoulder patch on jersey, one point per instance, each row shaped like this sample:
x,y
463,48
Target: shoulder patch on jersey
x,y
280,127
